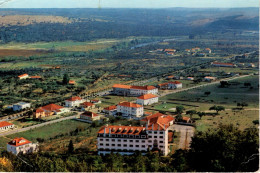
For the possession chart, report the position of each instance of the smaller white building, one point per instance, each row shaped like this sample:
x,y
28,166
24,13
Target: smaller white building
x,y
5,126
20,106
74,101
147,99
209,78
23,76
110,110
175,85
90,116
21,145
129,109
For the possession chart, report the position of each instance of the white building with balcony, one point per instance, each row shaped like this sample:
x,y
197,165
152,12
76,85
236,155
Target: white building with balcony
x,y
21,145
128,109
4,125
126,140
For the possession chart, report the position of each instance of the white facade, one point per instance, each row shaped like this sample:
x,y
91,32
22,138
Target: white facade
x,y
24,76
130,111
174,85
20,106
138,92
147,101
23,148
5,126
127,144
74,101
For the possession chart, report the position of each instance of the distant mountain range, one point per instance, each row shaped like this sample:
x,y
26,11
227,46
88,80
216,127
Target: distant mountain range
x,y
111,23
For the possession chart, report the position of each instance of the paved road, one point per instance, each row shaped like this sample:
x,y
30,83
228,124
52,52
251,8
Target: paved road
x,y
186,133
37,125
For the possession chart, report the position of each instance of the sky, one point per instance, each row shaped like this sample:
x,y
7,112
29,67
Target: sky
x,y
128,3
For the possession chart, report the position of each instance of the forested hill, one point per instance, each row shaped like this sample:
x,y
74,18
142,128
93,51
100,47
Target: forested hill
x,y
89,24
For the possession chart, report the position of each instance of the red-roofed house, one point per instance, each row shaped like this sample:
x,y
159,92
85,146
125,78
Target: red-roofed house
x,y
170,85
87,106
147,99
72,82
49,110
110,110
159,119
90,116
129,109
74,101
23,76
21,145
95,101
220,64
35,77
5,125
128,90
209,78
207,50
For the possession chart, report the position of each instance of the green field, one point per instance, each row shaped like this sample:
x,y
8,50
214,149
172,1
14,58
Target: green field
x,y
228,97
51,130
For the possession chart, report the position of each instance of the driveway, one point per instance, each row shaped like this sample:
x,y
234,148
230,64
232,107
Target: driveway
x,y
186,133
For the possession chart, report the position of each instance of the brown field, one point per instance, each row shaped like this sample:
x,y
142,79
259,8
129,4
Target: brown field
x,y
23,20
20,52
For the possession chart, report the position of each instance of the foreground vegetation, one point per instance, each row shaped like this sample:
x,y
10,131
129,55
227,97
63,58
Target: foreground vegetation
x,y
210,151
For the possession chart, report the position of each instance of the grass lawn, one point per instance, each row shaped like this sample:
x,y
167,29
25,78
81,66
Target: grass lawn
x,y
227,97
241,119
51,130
113,100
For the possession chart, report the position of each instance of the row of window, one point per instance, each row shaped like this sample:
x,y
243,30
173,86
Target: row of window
x,y
120,140
120,145
161,137
155,132
122,136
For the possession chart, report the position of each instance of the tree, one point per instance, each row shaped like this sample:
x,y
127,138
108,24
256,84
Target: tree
x,y
243,104
191,112
70,147
217,108
200,114
66,79
207,93
247,84
179,109
225,149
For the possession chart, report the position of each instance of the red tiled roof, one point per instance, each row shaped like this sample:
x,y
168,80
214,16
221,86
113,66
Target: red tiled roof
x,y
129,104
89,114
121,86
158,121
109,108
87,104
207,49
220,63
143,87
147,96
133,87
185,118
52,107
95,100
35,77
129,130
39,110
75,98
163,84
23,75
5,123
170,76
19,141
175,82
72,82
169,50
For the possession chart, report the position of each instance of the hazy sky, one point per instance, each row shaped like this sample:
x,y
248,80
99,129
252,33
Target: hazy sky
x,y
127,3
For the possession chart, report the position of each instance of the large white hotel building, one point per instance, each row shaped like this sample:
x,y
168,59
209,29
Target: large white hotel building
x,y
126,140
